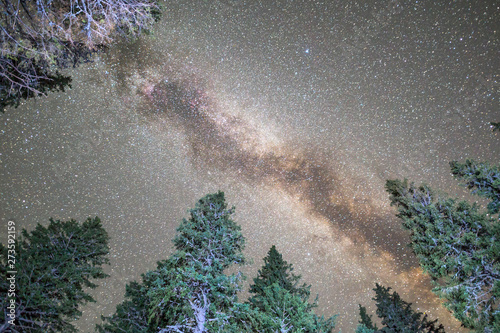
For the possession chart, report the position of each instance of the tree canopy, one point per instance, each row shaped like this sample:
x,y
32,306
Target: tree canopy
x,y
280,304
190,291
366,323
276,270
54,265
457,242
39,37
397,316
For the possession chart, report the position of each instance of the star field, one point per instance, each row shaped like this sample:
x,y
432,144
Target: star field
x,y
298,110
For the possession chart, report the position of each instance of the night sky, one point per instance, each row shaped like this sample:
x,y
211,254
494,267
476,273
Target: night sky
x,y
298,110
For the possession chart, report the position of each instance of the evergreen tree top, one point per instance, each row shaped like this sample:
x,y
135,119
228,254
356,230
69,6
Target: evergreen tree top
x,y
398,316
209,235
190,291
277,270
366,319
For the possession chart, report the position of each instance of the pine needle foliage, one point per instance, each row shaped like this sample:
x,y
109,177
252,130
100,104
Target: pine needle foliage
x,y
457,243
398,316
55,265
190,292
280,304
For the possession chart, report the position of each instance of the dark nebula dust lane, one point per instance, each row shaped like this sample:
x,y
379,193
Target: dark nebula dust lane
x,y
224,142
298,110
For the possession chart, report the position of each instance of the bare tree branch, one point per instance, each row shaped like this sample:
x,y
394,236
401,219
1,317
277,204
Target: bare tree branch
x,y
38,36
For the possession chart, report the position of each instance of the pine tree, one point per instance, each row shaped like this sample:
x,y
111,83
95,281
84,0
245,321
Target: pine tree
x,y
365,324
282,311
456,242
457,245
398,316
280,305
54,264
276,270
189,291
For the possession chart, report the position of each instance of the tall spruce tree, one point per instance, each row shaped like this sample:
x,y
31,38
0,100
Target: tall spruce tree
x,y
189,292
54,264
397,316
366,324
276,270
281,305
457,243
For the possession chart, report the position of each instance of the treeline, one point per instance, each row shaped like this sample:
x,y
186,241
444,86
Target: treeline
x,y
44,273
38,38
188,292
